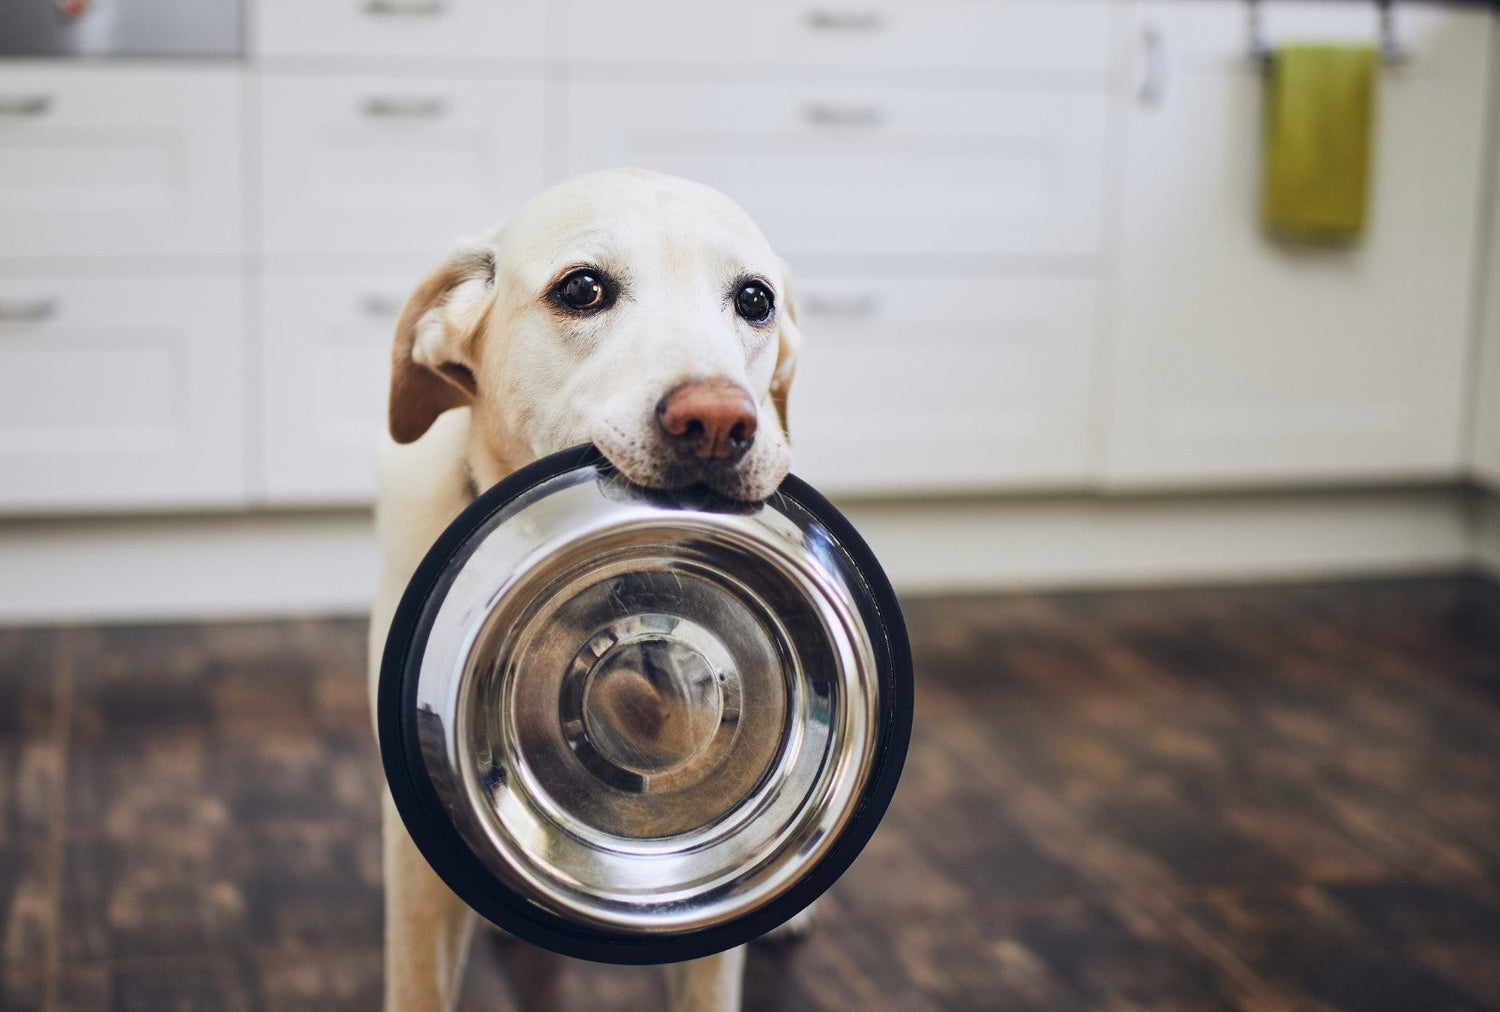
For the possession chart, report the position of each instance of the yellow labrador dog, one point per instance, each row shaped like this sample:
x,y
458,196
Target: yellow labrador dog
x,y
640,312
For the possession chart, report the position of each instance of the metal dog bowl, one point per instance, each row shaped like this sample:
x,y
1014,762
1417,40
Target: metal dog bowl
x,y
638,726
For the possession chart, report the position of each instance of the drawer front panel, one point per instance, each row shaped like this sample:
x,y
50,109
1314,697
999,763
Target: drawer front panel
x,y
400,166
1059,39
922,385
121,394
327,367
119,162
443,30
887,172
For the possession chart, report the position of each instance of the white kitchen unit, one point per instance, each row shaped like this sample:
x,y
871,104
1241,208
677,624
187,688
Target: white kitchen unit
x,y
122,311
386,130
121,394
1485,447
1487,414
1061,41
124,160
325,354
1236,360
440,32
900,172
1025,255
957,383
934,173
359,166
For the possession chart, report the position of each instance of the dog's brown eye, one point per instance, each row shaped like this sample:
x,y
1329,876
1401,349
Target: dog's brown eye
x,y
754,303
583,291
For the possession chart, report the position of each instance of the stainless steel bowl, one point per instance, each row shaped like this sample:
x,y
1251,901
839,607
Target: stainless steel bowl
x,y
638,726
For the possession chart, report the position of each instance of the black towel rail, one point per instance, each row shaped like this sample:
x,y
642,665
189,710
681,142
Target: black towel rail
x,y
1391,51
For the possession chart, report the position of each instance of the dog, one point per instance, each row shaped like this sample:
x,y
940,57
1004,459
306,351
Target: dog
x,y
641,312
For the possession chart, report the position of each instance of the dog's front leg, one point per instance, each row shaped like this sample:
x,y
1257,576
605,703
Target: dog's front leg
x,y
710,984
427,928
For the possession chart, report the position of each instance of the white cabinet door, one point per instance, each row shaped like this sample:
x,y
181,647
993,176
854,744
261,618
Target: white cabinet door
x,y
1056,40
1487,407
1486,441
889,172
436,30
1235,359
326,367
965,383
359,166
123,160
121,394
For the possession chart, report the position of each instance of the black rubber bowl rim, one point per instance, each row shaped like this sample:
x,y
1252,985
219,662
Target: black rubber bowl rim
x,y
444,848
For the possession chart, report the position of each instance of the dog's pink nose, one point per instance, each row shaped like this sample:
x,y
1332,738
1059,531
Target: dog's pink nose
x,y
708,419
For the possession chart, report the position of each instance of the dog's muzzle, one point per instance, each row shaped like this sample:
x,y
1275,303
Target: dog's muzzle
x,y
638,726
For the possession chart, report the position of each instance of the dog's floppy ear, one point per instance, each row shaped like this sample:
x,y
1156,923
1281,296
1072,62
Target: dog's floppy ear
x,y
788,341
432,363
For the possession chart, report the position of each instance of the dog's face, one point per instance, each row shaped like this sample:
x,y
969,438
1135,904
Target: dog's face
x,y
640,312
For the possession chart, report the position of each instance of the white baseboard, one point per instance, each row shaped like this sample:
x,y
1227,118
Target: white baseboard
x,y
1074,541
160,568
272,564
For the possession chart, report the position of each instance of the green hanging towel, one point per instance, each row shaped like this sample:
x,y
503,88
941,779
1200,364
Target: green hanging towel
x,y
1320,120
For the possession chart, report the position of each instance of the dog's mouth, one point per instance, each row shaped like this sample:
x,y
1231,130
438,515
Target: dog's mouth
x,y
752,478
725,479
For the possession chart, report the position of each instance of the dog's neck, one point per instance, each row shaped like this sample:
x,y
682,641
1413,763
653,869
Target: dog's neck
x,y
485,462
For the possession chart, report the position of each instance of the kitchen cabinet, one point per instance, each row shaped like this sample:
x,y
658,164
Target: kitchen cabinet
x,y
1023,235
122,310
899,172
1237,360
1485,445
957,383
121,394
120,161
354,165
325,359
366,180
936,176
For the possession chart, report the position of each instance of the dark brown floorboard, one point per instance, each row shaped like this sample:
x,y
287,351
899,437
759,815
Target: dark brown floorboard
x,y
1258,798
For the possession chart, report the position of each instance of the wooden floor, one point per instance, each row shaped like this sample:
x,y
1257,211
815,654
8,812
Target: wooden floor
x,y
1250,799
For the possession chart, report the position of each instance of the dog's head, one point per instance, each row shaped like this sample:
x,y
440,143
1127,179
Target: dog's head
x,y
637,311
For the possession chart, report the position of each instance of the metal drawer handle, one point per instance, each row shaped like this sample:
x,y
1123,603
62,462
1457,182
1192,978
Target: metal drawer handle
x,y
404,8
27,310
24,105
860,306
382,306
1154,81
393,107
828,114
845,21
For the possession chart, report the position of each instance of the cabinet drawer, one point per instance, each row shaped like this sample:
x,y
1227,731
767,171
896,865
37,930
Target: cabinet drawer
x,y
119,161
357,165
120,394
926,385
884,172
399,29
1058,38
326,363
